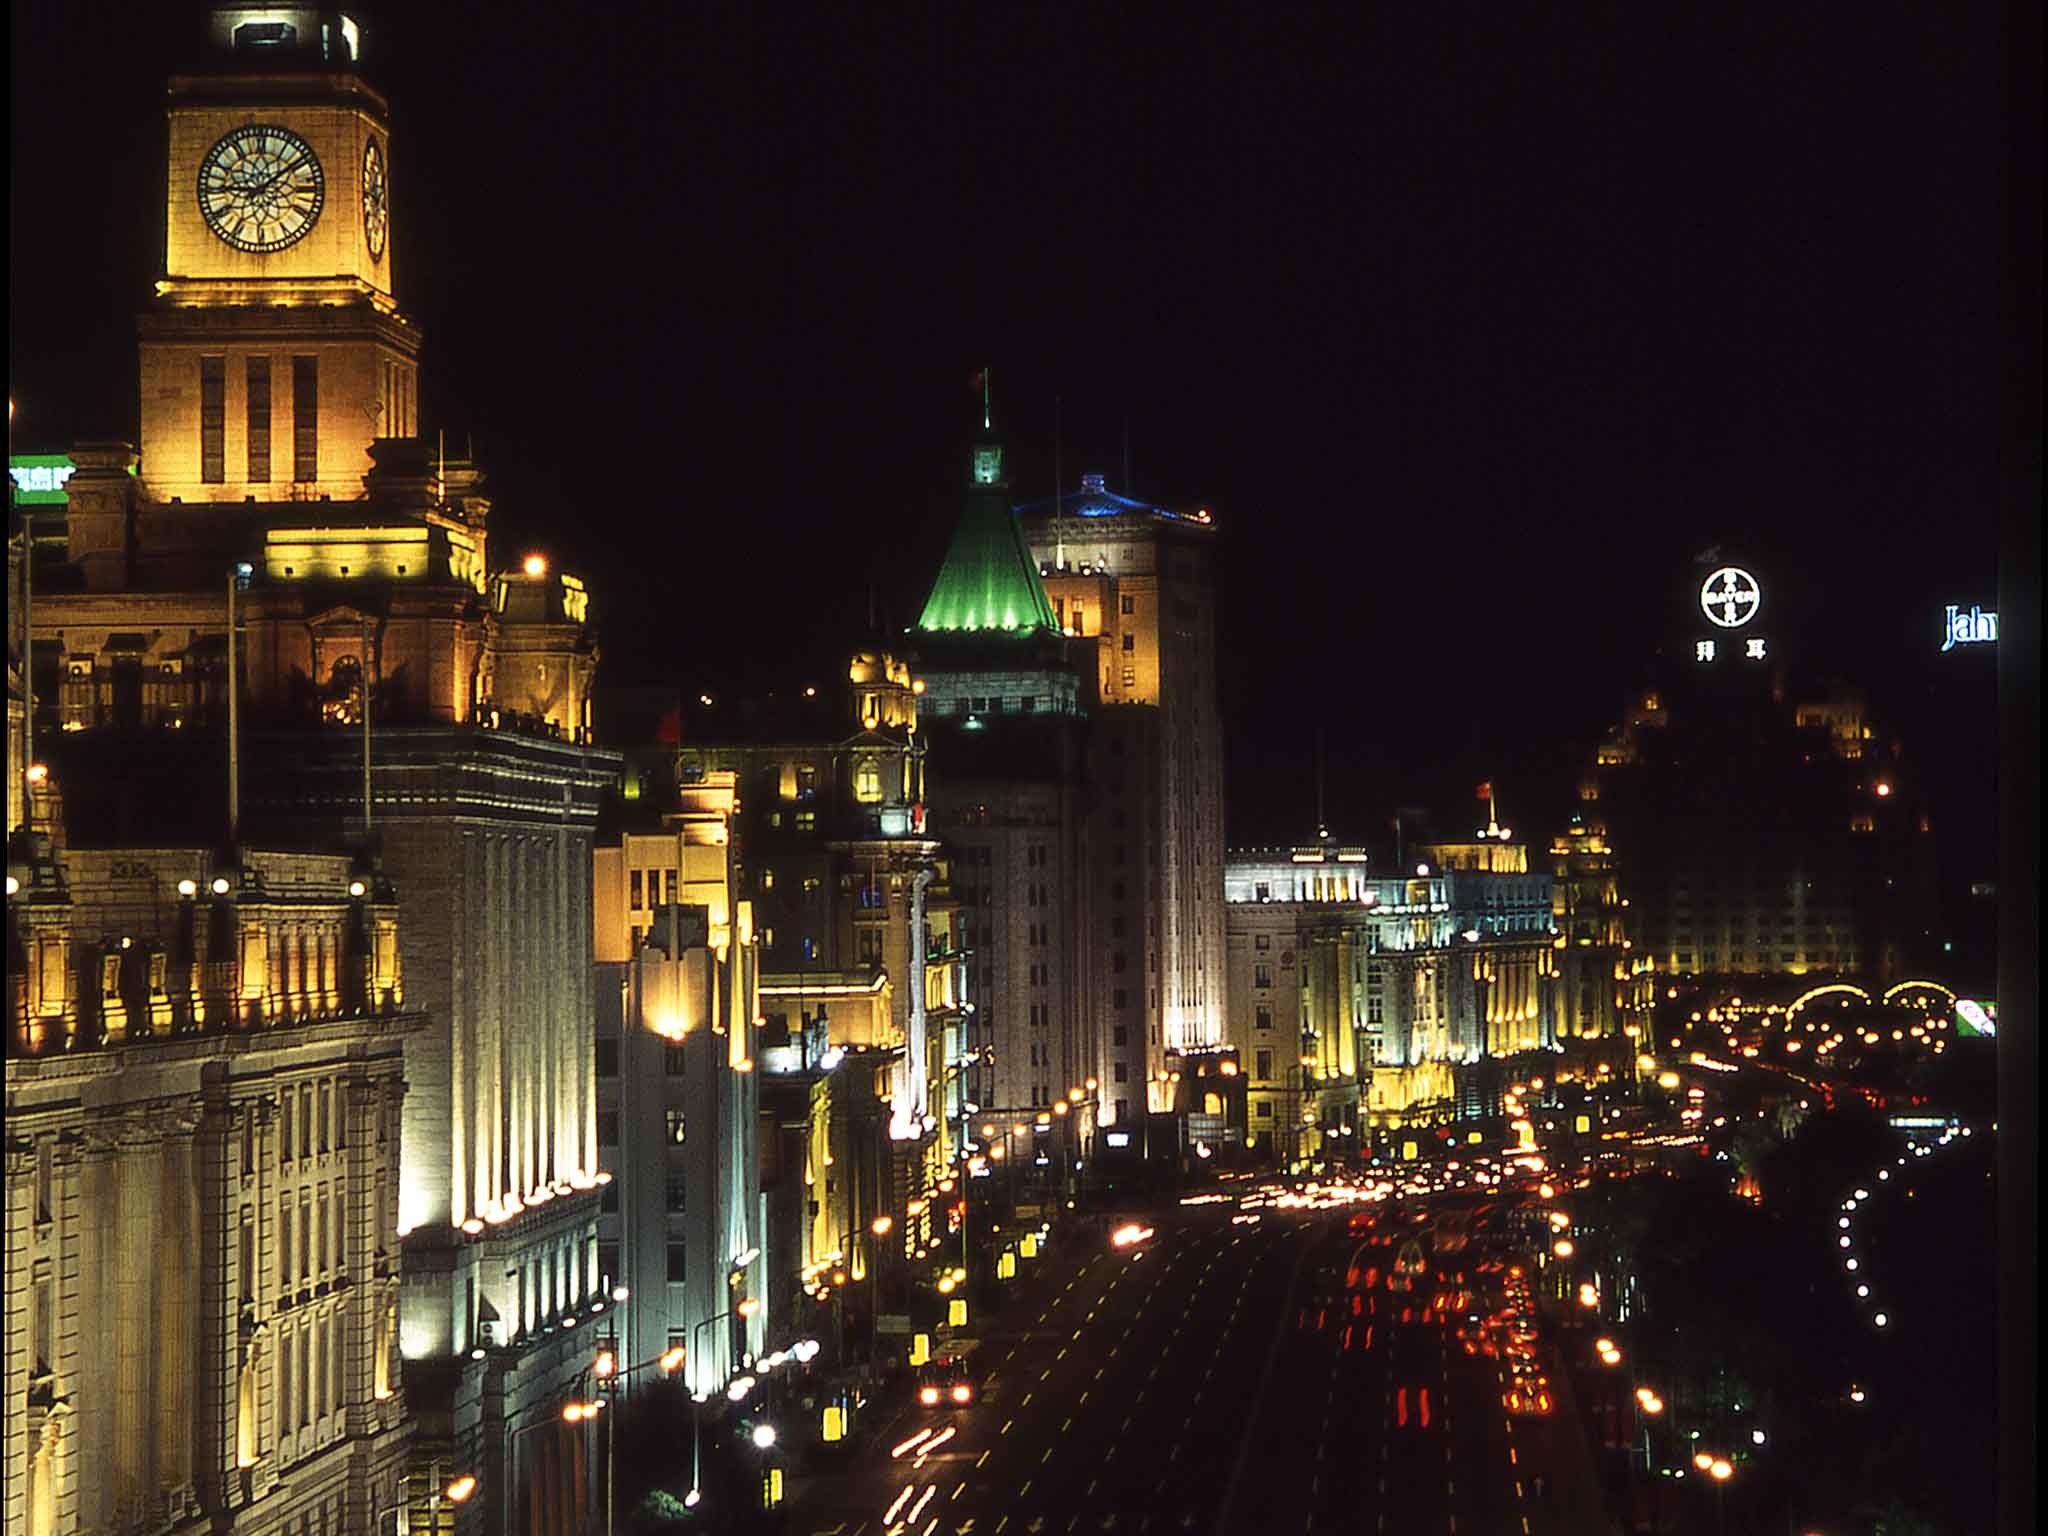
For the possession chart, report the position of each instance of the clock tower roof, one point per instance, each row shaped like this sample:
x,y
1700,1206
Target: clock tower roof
x,y
275,38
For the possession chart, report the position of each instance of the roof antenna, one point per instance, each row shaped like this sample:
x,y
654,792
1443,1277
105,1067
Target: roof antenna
x,y
1058,490
987,416
1128,489
1322,824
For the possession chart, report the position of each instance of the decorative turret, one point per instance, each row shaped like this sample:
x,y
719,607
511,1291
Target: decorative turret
x,y
989,580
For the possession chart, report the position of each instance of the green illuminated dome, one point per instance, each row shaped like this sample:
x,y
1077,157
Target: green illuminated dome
x,y
989,580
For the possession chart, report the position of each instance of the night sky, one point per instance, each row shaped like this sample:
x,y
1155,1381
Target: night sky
x,y
1471,326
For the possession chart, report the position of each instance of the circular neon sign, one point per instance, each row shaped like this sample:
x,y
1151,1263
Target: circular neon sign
x,y
1730,597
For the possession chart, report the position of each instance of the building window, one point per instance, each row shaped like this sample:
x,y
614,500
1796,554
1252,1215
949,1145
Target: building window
x,y
608,1127
1130,642
634,896
1264,1064
678,1192
672,1060
807,821
213,419
1264,1109
608,1265
1119,1035
1262,975
678,1269
1130,677
259,419
607,1058
285,1421
305,419
1128,603
675,1127
1121,1073
284,1242
867,781
1264,1016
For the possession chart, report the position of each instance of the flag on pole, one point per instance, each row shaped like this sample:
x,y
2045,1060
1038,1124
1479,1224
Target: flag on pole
x,y
1483,792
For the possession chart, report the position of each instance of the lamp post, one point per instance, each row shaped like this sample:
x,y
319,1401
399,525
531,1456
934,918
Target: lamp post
x,y
456,1491
697,1397
608,1371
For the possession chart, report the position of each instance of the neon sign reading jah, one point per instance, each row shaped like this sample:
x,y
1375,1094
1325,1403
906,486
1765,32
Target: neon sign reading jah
x,y
1973,628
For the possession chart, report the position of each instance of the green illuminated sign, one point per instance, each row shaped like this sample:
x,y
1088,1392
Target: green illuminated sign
x,y
39,478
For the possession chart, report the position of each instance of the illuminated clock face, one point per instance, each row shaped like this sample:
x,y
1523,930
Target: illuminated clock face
x,y
376,212
261,188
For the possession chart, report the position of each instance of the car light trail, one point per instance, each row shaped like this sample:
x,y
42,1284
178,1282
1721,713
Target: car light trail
x,y
903,1498
913,1440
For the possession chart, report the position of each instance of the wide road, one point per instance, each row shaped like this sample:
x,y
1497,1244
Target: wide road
x,y
1227,1377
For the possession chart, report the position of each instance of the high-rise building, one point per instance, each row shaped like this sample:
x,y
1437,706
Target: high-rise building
x,y
1138,581
1068,649
286,550
205,1082
678,1068
1006,712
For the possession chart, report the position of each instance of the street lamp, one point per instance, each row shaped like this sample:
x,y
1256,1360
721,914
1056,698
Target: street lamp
x,y
456,1492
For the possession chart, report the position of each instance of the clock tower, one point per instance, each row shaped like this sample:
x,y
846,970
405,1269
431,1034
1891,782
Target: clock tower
x,y
275,353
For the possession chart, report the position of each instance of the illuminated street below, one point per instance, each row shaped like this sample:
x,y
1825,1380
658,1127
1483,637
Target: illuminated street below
x,y
1233,1375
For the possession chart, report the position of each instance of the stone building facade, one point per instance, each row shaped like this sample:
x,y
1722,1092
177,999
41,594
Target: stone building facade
x,y
1356,997
679,1063
853,901
284,551
204,1090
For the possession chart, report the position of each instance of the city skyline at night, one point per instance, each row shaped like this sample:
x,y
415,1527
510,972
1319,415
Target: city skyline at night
x,y
925,772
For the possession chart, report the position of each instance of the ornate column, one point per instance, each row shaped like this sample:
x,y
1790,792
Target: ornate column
x,y
97,1239
130,1317
182,1248
21,1165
